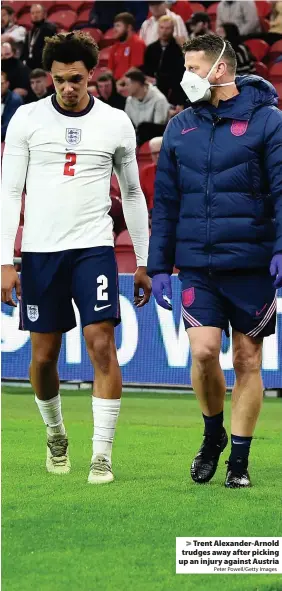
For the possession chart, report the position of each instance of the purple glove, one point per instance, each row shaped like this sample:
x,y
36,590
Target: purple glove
x,y
276,269
161,287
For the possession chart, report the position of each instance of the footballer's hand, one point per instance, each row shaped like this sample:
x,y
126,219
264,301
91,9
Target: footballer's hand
x,y
162,290
9,281
142,281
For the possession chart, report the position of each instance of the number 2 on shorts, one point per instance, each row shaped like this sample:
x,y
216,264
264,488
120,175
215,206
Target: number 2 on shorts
x,y
70,163
102,293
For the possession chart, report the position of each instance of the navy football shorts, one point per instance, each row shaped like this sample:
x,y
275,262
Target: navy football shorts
x,y
50,281
245,299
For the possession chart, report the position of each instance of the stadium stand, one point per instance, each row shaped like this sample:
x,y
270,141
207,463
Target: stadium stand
x,y
265,49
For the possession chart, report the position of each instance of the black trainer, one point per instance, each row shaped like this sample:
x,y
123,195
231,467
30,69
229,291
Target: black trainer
x,y
205,463
237,475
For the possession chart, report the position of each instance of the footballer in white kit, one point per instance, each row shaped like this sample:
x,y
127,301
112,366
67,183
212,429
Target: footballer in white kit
x,y
63,149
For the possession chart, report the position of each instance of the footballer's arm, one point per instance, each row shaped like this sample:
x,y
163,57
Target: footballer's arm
x,y
14,169
134,208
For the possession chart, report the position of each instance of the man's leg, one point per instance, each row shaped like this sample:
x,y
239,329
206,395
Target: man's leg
x,y
247,399
209,385
106,398
45,382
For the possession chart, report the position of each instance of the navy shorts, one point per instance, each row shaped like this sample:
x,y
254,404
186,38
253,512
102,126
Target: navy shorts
x,y
245,299
50,281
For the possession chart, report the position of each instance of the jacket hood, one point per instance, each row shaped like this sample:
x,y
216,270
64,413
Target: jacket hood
x,y
255,92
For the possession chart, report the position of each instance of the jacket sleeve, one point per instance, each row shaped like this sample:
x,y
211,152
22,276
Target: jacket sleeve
x,y
273,165
166,210
8,113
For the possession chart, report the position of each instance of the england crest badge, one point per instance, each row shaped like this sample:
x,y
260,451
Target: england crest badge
x,y
32,313
73,135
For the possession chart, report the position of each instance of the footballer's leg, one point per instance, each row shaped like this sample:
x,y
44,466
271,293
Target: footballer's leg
x,y
95,291
44,379
204,318
106,397
253,317
46,311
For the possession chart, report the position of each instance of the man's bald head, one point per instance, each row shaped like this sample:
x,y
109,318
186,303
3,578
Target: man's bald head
x,y
37,13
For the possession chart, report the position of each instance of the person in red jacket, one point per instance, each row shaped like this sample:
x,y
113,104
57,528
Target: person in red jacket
x,y
129,50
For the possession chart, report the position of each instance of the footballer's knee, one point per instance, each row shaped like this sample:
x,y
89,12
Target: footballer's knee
x,y
205,354
247,354
101,345
45,351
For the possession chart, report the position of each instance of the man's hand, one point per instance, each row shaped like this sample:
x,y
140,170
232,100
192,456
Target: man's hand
x,y
141,281
276,269
9,280
162,290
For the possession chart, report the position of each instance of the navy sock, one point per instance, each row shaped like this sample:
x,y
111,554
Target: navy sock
x,y
240,448
213,425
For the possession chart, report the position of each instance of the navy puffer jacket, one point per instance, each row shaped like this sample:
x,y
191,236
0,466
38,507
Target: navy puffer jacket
x,y
218,189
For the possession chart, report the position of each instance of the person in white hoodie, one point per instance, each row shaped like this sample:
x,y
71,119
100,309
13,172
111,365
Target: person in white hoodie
x,y
145,105
242,13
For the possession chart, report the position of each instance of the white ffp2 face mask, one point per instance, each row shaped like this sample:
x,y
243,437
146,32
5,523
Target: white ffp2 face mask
x,y
197,88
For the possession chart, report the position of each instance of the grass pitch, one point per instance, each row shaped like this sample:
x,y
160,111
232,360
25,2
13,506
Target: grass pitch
x,y
59,533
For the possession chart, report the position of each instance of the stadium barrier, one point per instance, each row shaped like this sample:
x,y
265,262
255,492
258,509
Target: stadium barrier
x,y
152,345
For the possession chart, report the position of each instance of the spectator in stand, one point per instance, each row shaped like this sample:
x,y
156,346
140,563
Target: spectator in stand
x,y
149,29
148,173
146,106
41,28
39,85
103,13
10,31
245,60
129,50
199,24
17,72
10,102
241,13
164,62
107,91
275,31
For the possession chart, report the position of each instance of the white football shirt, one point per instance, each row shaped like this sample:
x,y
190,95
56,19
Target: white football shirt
x,y
66,159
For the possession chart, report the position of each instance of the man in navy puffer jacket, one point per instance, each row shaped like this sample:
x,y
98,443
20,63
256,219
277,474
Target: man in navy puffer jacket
x,y
218,218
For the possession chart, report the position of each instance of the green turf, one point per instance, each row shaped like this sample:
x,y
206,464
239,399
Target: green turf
x,y
59,533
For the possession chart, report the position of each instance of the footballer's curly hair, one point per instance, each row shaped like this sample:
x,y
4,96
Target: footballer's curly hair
x,y
68,48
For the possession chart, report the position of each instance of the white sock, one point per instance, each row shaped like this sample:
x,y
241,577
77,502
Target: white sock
x,y
51,413
105,415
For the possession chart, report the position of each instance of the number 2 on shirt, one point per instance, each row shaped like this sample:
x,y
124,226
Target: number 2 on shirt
x,y
70,163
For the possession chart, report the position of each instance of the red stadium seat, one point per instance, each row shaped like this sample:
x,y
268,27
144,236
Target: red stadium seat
x,y
75,5
265,24
65,19
263,8
58,6
96,34
17,6
97,73
212,10
258,48
126,260
18,242
114,188
22,210
24,20
104,57
83,16
109,38
144,152
275,51
262,70
198,7
183,8
275,73
85,6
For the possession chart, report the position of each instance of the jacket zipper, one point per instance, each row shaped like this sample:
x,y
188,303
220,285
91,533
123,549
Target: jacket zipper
x,y
208,204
